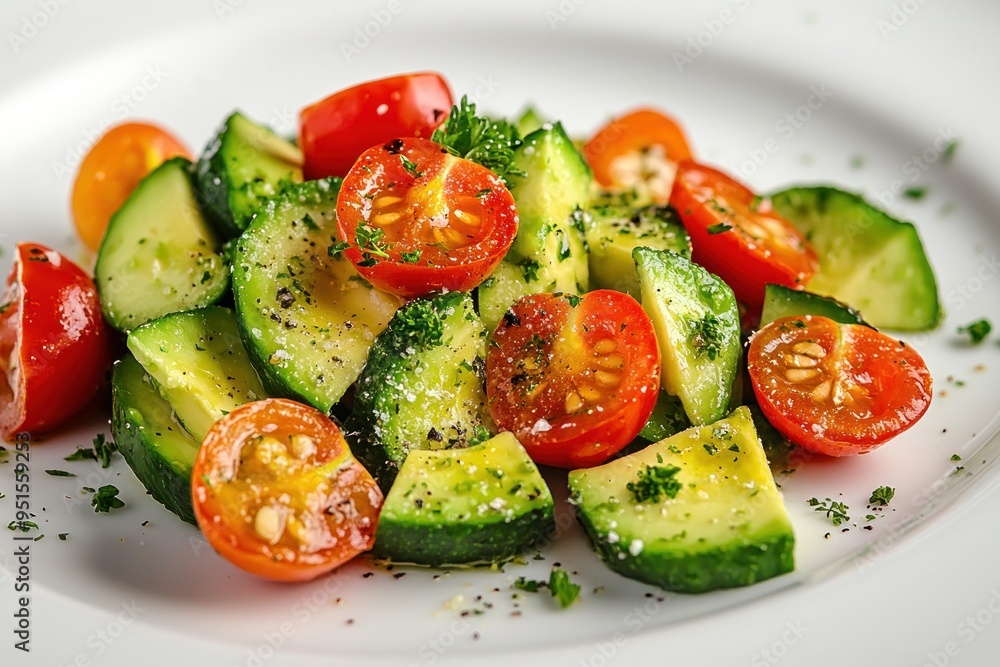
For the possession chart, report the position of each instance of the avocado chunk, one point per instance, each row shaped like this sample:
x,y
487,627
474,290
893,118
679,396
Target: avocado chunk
x,y
198,363
159,254
307,317
867,258
422,387
781,301
614,231
549,253
696,512
697,327
456,506
243,166
159,451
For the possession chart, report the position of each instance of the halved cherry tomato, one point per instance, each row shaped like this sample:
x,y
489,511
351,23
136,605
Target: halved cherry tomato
x,y
419,219
278,493
54,345
836,389
574,378
336,130
736,235
640,151
111,170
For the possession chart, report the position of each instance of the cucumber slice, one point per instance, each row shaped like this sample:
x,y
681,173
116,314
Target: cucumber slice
x,y
159,255
613,232
668,418
423,385
459,506
868,259
724,526
199,365
308,319
698,329
781,301
242,167
155,446
529,121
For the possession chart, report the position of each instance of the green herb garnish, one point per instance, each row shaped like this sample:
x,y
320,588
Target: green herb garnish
x,y
835,512
563,590
882,495
654,482
106,499
978,330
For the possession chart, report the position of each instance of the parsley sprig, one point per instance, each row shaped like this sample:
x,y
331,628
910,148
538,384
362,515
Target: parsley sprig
x,y
835,511
485,141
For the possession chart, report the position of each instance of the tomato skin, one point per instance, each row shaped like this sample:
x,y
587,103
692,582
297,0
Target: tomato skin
x,y
111,170
869,388
349,509
760,248
339,128
424,182
53,332
547,332
634,131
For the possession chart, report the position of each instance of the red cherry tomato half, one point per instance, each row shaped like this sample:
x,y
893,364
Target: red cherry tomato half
x,y
278,493
836,389
574,378
418,219
736,236
54,344
336,130
639,150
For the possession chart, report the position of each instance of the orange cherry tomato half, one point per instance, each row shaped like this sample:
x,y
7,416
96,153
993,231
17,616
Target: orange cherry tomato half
x,y
736,235
112,168
419,219
336,130
639,150
836,389
55,348
278,493
574,378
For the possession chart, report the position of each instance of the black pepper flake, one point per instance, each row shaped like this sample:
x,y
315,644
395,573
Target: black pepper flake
x,y
350,621
827,536
394,146
868,527
399,575
516,613
368,575
435,435
475,635
145,523
285,297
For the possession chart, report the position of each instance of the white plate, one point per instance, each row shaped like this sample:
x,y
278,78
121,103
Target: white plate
x,y
885,82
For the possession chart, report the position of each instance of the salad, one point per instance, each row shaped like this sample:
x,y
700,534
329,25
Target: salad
x,y
376,336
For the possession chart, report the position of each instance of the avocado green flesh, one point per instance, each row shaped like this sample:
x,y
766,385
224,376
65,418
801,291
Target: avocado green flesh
x,y
411,397
159,255
781,301
677,293
199,365
243,166
613,232
308,319
727,525
549,249
456,506
867,258
159,451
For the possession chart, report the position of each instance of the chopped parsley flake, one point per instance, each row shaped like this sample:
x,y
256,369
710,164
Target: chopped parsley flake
x,y
410,257
835,511
915,193
719,228
59,473
106,499
978,330
882,495
563,590
655,482
705,336
410,167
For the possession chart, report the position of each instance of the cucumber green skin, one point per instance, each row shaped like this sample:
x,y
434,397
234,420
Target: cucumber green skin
x,y
461,543
228,205
381,410
117,270
613,232
867,258
159,451
728,567
666,419
781,301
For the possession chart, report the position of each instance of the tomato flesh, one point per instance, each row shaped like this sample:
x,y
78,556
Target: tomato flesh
x,y
55,349
574,378
112,169
419,219
836,389
638,151
736,236
278,493
338,129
